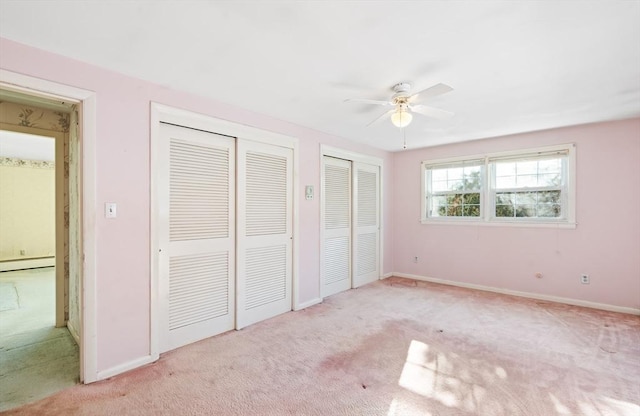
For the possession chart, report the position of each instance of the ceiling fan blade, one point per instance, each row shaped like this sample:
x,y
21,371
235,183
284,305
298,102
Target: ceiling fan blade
x,y
366,101
432,91
384,116
430,111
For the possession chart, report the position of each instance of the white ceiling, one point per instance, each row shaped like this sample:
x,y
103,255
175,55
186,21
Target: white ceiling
x,y
514,66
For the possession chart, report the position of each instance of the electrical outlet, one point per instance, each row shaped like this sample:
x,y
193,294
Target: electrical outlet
x,y
415,259
584,279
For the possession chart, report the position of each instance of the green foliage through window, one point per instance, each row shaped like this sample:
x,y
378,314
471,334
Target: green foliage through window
x,y
456,192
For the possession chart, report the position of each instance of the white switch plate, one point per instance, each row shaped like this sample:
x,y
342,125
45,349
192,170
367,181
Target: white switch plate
x,y
110,210
308,192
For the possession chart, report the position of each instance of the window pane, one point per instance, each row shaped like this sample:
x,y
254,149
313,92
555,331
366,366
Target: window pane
x,y
550,166
505,169
471,170
441,211
455,185
471,210
549,210
439,175
503,182
439,186
504,211
526,198
505,199
525,181
549,197
472,179
550,179
527,167
455,211
525,210
455,173
455,199
471,199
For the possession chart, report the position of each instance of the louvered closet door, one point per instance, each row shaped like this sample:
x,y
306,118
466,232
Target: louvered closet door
x,y
264,230
366,239
336,205
196,217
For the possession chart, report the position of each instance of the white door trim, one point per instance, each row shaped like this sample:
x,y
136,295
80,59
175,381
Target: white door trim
x,y
87,99
172,115
358,158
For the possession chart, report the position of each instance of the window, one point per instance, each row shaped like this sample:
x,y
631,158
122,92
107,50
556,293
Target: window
x,y
455,190
526,187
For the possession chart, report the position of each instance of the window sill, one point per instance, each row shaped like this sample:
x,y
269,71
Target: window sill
x,y
482,223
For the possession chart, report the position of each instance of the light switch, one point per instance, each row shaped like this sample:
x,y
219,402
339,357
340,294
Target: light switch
x,y
110,210
308,192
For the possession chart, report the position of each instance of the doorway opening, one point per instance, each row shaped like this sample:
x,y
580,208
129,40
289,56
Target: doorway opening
x,y
39,267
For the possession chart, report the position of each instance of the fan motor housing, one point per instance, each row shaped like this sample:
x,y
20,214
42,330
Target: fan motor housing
x,y
401,90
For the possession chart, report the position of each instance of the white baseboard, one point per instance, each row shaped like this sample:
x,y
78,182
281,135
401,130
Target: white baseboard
x,y
386,276
7,266
307,304
557,299
122,368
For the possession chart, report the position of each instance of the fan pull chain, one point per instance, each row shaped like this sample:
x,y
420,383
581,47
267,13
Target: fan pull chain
x,y
404,134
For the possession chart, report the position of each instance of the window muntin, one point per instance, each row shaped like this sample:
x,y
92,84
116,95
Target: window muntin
x,y
535,186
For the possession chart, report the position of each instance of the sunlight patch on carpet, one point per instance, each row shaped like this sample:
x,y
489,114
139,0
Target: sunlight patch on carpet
x,y
398,407
609,406
8,296
443,378
426,373
560,408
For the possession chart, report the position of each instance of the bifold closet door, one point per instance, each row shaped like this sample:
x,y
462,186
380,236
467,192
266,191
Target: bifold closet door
x,y
366,223
336,205
264,231
196,175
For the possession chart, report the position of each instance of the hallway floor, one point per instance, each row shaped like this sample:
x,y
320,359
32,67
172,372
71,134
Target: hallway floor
x,y
36,359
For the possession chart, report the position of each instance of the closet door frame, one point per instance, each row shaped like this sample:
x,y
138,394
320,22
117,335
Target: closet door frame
x,y
355,158
161,113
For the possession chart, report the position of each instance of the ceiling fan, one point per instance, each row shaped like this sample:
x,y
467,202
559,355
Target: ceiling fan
x,y
405,104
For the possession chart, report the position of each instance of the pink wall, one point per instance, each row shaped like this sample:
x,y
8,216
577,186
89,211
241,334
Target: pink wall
x,y
123,176
605,243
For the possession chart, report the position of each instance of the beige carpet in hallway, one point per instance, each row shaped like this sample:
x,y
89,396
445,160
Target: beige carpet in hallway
x,y
36,359
395,347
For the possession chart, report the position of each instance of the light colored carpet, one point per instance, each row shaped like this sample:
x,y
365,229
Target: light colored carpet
x,y
36,359
8,296
395,347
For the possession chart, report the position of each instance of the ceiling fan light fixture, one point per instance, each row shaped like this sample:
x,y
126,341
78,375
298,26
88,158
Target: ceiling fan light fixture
x,y
401,118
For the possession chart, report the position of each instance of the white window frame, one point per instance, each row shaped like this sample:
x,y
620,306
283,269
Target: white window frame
x,y
488,191
427,167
